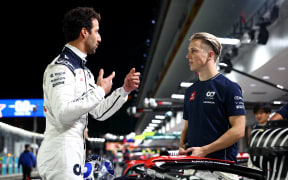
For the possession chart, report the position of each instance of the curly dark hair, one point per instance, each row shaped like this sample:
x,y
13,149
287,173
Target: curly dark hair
x,y
75,19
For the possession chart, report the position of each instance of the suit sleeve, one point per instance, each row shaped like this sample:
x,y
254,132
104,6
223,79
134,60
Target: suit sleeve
x,y
110,105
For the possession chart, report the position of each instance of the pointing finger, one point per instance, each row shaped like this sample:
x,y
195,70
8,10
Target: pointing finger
x,y
112,75
132,71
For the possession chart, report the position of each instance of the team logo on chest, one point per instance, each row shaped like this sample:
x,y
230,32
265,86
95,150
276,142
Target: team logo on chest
x,y
192,96
210,94
209,97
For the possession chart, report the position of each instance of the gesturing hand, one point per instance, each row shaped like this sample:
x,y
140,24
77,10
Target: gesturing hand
x,y
182,151
132,80
105,83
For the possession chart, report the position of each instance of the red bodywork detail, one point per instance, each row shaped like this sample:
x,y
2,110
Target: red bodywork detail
x,y
151,162
132,163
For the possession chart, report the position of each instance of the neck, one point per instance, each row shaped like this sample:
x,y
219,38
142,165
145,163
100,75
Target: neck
x,y
78,45
207,73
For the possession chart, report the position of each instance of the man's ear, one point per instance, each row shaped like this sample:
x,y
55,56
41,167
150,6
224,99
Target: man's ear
x,y
84,33
211,55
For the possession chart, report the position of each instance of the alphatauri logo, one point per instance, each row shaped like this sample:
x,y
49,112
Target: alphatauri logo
x,y
210,94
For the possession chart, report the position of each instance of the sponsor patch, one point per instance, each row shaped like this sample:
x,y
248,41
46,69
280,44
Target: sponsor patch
x,y
57,83
208,102
239,106
192,96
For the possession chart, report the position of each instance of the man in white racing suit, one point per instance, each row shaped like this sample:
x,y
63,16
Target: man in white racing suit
x,y
70,93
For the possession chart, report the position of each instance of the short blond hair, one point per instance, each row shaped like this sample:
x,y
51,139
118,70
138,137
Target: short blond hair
x,y
210,40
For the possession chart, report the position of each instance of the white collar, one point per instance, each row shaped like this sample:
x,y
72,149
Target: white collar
x,y
77,51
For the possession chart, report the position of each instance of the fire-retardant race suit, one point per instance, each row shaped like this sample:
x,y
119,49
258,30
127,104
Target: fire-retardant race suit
x,y
70,93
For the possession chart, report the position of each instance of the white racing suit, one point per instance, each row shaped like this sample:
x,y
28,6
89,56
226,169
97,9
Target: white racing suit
x,y
70,93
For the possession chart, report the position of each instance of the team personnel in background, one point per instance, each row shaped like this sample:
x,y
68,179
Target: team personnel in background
x,y
262,113
70,93
214,111
282,113
27,160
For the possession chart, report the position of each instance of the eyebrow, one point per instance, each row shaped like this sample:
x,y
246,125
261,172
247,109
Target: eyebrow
x,y
192,48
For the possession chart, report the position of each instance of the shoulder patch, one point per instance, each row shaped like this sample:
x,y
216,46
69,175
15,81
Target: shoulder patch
x,y
66,63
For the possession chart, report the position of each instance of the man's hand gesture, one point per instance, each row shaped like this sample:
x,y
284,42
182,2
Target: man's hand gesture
x,y
132,80
105,83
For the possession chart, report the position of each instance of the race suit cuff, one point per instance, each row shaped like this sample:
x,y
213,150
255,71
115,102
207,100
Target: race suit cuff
x,y
101,91
123,92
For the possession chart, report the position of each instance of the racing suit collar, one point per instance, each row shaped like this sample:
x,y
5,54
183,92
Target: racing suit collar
x,y
77,52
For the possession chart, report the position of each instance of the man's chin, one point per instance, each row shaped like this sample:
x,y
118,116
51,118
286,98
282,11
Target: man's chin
x,y
192,69
92,52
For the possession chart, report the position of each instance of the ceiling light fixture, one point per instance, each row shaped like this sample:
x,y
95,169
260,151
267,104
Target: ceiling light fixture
x,y
231,41
266,77
280,86
185,84
150,128
281,68
155,121
153,125
277,102
177,96
159,117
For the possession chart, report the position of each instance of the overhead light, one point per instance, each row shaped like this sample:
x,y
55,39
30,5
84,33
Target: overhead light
x,y
96,139
277,102
153,125
281,68
156,121
266,77
185,84
280,86
223,64
159,117
252,85
177,96
131,135
230,41
150,128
